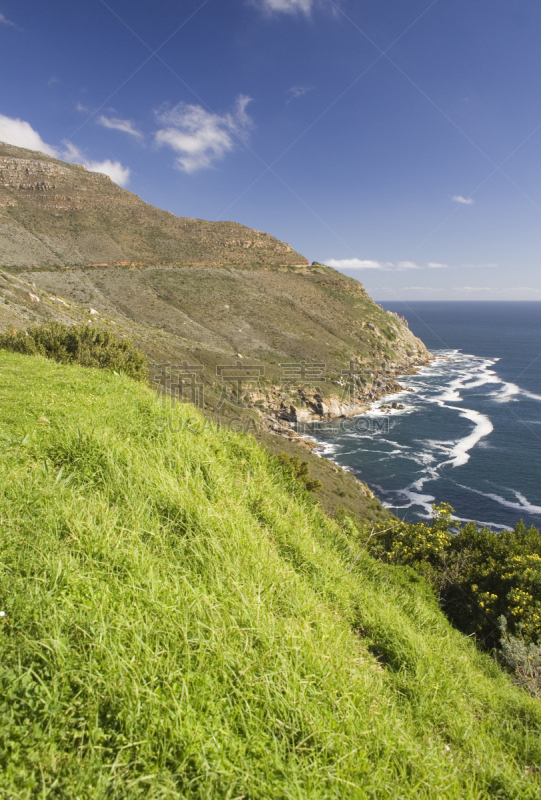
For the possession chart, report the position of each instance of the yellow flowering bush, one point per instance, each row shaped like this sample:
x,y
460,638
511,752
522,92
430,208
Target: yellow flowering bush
x,y
479,575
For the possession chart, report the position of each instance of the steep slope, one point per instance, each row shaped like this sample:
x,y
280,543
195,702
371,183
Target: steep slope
x,y
57,214
180,620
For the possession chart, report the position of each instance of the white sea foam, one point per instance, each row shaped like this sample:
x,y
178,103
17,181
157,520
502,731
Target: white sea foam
x,y
483,523
430,474
523,503
460,453
418,499
509,391
450,380
530,395
396,444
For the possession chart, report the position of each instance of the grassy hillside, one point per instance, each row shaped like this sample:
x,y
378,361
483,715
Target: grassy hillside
x,y
208,315
181,620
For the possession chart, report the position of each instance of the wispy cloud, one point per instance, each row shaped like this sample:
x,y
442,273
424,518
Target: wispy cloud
x,y
407,265
398,266
298,91
491,290
294,6
22,134
114,169
357,263
200,137
461,293
513,289
421,289
287,6
386,266
117,124
465,201
5,21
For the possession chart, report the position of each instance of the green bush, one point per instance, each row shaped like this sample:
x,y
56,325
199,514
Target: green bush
x,y
87,345
523,660
479,575
300,471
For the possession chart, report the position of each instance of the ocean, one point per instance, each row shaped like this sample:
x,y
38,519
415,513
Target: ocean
x,y
470,430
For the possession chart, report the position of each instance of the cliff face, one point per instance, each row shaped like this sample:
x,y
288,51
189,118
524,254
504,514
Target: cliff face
x,y
57,214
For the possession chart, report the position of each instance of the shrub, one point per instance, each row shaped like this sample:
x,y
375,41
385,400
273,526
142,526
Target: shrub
x,y
300,471
479,575
523,660
86,345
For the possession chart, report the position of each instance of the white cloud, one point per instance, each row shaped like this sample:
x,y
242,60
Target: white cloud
x,y
421,289
298,91
113,169
289,6
465,201
22,134
293,6
357,263
463,293
492,289
200,137
436,265
116,124
4,21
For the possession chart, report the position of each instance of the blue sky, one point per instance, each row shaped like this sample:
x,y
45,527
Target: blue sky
x,y
399,142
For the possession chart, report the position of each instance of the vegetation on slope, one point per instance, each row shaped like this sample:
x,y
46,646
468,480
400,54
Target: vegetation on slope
x,y
479,575
341,493
208,314
58,214
181,619
87,345
488,583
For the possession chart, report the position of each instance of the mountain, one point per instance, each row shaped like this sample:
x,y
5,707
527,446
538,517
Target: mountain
x,y
56,215
76,247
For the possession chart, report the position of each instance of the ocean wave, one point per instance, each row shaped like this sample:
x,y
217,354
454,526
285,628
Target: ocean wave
x,y
417,499
460,453
523,503
508,392
530,395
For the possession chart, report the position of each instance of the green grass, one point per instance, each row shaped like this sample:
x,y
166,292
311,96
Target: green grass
x,y
182,620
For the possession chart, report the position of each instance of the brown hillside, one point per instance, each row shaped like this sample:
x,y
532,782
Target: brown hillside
x,y
57,214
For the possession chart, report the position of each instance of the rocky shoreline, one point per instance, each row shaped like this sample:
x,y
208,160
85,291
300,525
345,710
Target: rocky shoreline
x,y
282,411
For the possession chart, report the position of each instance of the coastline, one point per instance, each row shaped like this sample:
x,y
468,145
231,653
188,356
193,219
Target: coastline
x,y
285,418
